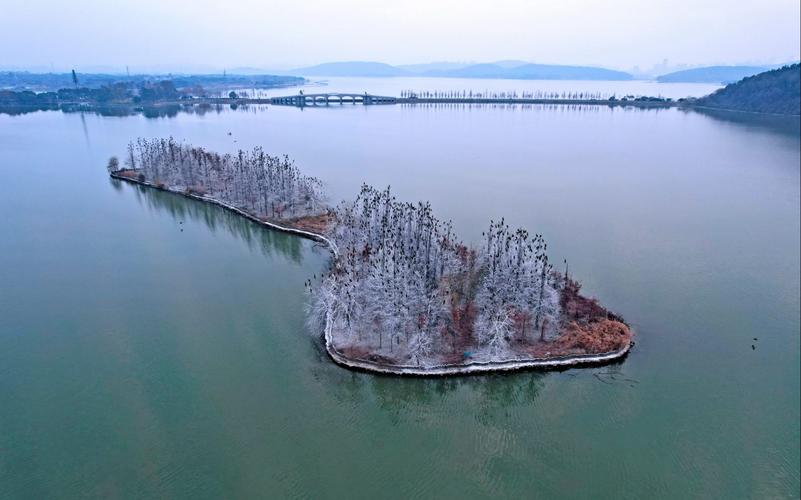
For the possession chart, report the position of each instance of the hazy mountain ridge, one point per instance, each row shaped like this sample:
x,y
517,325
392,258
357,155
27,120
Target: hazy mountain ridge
x,y
434,66
776,91
500,69
351,68
712,74
537,72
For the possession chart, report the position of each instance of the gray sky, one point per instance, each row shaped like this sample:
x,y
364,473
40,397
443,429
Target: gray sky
x,y
186,35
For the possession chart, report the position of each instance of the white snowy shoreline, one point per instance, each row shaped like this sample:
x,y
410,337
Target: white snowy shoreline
x,y
299,232
473,367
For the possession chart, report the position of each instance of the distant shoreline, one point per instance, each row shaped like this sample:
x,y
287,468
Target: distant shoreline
x,y
644,103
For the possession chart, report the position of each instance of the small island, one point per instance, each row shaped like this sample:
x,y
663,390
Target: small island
x,y
403,294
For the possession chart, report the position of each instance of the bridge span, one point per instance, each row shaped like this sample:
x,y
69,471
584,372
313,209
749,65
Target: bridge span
x,y
302,100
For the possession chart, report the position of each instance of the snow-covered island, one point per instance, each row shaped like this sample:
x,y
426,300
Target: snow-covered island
x,y
403,295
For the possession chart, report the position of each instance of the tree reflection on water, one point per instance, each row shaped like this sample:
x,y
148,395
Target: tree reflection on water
x,y
216,218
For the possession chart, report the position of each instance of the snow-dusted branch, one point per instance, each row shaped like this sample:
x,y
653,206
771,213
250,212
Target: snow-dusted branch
x,y
414,293
263,185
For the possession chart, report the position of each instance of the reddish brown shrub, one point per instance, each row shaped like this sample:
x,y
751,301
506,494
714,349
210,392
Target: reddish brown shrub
x,y
314,223
131,174
576,307
600,336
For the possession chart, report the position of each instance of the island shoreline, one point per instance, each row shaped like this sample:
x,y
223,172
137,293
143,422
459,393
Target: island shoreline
x,y
475,367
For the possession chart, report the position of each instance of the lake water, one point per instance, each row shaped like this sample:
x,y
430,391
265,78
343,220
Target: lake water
x,y
151,346
394,86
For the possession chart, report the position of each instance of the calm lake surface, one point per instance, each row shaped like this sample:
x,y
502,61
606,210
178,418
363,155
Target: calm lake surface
x,y
151,346
394,86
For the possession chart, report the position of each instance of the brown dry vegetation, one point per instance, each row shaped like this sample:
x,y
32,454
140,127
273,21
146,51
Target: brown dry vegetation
x,y
131,174
461,290
314,223
600,336
363,354
587,326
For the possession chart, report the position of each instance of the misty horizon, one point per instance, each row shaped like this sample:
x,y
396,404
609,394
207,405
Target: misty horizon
x,y
655,70
148,36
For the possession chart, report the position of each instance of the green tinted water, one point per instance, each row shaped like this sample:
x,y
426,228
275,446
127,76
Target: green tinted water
x,y
153,346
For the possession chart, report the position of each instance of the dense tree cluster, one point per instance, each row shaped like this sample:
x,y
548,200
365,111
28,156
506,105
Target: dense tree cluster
x,y
23,80
777,91
263,185
120,92
41,100
517,292
157,91
405,288
115,95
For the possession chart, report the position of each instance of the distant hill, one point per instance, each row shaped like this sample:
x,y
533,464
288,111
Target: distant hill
x,y
352,68
712,74
483,70
776,91
528,71
442,67
510,63
501,69
435,66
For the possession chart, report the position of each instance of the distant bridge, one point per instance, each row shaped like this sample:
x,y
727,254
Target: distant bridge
x,y
302,100
334,98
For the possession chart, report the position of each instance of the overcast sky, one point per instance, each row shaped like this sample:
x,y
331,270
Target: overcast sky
x,y
186,34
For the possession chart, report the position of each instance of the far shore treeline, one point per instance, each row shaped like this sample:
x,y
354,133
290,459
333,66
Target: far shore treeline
x,y
775,92
39,91
51,82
